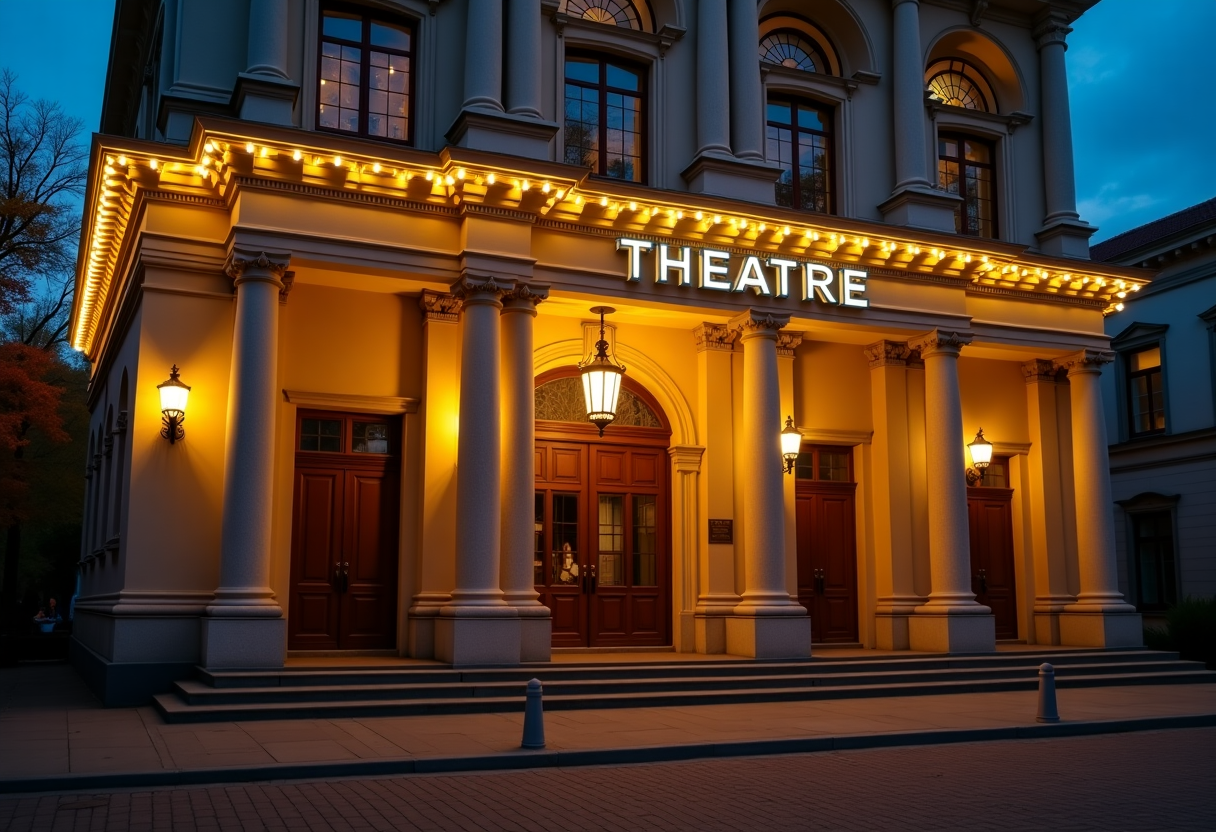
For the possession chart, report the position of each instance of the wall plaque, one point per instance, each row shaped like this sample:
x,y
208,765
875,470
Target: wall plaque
x,y
721,531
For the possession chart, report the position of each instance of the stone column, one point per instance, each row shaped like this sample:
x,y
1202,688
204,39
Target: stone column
x,y
1100,617
1047,498
746,90
767,623
523,56
892,489
787,346
518,429
713,78
483,56
952,620
265,91
685,551
245,625
915,200
478,626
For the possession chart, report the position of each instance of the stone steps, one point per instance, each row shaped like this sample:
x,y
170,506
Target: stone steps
x,y
296,693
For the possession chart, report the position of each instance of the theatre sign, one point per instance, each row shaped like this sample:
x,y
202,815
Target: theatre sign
x,y
765,276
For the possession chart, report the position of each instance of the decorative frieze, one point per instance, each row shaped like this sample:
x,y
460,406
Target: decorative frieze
x,y
711,336
888,354
787,343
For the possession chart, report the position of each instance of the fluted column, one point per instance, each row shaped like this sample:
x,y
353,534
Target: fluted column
x,y
524,57
483,55
746,91
767,622
909,96
1058,178
478,626
941,623
234,636
713,78
518,429
267,50
265,91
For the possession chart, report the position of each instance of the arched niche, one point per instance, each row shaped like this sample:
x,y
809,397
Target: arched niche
x,y
990,58
653,14
838,22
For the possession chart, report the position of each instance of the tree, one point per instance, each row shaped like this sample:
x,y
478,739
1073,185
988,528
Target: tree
x,y
42,176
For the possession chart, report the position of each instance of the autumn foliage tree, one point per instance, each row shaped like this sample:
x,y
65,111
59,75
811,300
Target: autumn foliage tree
x,y
42,174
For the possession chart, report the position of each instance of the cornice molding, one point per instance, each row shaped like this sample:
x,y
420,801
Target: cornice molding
x,y
388,405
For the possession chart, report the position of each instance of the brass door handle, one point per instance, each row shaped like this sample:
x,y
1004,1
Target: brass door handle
x,y
342,575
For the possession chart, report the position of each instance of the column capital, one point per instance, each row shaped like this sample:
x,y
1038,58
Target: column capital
x,y
1041,371
888,354
686,458
753,323
787,343
257,264
525,297
1085,361
474,289
940,342
711,336
438,306
896,3
1052,29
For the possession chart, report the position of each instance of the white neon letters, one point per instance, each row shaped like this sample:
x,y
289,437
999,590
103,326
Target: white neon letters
x,y
675,264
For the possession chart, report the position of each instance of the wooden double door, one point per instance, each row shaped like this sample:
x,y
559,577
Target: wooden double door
x,y
602,556
990,517
345,532
827,542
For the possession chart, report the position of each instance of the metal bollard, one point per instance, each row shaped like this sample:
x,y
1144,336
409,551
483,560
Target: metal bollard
x,y
534,718
1047,694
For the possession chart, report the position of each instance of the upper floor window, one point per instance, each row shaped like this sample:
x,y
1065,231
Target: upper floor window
x,y
959,84
788,48
603,127
799,136
365,77
964,167
611,12
1145,395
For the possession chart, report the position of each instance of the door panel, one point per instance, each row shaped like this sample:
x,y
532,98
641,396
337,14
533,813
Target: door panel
x,y
316,548
367,621
827,559
990,514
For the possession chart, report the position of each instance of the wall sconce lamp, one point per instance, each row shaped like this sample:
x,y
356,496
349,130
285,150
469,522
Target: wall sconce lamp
x,y
601,379
791,444
981,455
173,396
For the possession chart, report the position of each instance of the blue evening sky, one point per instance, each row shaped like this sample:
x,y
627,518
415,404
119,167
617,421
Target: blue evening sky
x,y
1140,75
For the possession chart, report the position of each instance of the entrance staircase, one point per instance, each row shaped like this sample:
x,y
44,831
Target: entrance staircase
x,y
407,690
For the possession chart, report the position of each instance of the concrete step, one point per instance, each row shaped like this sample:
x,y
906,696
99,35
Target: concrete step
x,y
176,710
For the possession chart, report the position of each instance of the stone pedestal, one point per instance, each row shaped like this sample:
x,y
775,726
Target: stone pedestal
x,y
952,633
243,642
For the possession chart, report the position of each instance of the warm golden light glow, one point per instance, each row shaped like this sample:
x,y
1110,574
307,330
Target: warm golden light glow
x,y
791,444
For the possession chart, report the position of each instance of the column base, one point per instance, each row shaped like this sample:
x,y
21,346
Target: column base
x,y
536,637
710,633
891,631
1065,236
919,206
769,637
946,633
466,640
1047,628
243,642
265,99
1101,629
722,175
500,132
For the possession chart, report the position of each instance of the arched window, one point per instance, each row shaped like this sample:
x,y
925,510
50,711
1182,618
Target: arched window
x,y
621,13
790,49
561,400
958,84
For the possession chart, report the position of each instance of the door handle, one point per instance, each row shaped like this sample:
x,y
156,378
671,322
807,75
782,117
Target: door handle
x,y
342,575
591,577
819,581
983,576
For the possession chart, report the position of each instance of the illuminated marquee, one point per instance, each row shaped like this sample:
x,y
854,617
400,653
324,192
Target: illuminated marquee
x,y
769,277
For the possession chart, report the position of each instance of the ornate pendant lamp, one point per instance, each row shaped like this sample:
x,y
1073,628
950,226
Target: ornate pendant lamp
x,y
601,379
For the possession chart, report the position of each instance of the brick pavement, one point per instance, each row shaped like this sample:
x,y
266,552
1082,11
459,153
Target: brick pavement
x,y
1149,780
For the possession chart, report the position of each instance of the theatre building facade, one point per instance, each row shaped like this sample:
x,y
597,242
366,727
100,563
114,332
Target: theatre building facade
x,y
815,269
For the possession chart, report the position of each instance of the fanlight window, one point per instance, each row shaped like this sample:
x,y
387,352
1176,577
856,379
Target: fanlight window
x,y
561,400
959,84
789,48
610,12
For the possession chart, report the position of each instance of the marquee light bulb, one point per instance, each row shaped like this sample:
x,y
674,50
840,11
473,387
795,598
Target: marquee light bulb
x,y
449,180
297,156
491,179
430,176
525,185
337,161
546,188
603,202
376,168
633,206
700,215
717,219
460,173
154,164
248,147
786,231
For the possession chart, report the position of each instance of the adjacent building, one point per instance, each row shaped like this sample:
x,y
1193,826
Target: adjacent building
x,y
1161,411
376,240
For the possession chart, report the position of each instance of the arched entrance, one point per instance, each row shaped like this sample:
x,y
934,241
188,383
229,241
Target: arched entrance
x,y
602,558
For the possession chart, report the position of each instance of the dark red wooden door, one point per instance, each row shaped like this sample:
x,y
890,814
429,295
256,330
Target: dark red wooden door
x,y
344,546
827,560
990,515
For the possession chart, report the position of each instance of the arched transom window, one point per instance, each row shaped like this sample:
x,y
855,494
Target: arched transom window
x,y
788,48
611,13
561,400
959,84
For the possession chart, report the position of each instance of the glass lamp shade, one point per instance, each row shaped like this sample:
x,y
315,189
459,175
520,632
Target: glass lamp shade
x,y
173,395
981,451
601,389
791,443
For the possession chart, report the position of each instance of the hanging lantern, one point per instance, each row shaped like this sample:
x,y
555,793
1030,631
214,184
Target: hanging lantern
x,y
601,379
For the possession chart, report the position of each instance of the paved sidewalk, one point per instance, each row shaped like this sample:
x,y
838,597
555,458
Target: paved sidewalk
x,y
54,733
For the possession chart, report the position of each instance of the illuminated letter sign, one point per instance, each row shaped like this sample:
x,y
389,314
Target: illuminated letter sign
x,y
635,248
681,264
713,263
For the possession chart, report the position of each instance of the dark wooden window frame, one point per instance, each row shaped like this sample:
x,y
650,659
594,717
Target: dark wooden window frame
x,y
1168,568
366,16
348,420
961,160
815,450
1130,392
642,93
795,131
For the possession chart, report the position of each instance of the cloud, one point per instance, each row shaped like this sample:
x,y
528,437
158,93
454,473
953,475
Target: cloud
x,y
1088,65
1110,203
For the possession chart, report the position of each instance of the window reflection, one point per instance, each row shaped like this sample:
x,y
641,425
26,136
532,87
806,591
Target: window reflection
x,y
603,118
364,83
799,138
